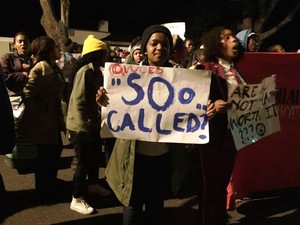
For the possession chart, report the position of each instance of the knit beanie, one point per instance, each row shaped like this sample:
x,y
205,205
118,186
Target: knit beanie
x,y
92,44
155,29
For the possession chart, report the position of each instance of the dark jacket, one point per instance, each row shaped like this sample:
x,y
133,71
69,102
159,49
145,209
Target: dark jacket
x,y
13,71
218,90
7,130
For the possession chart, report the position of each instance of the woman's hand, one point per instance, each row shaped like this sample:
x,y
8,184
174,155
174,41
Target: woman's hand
x,y
101,97
221,106
211,110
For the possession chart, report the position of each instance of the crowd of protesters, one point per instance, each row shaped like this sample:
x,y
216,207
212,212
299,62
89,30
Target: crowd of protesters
x,y
38,73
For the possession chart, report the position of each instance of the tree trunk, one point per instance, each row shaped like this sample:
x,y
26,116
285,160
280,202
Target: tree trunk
x,y
55,29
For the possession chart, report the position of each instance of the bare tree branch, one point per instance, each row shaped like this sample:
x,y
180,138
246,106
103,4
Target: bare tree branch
x,y
285,21
65,12
266,7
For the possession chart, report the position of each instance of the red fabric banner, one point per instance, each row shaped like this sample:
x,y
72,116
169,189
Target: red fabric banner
x,y
272,162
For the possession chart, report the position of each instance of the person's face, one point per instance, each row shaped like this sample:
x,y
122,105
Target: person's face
x,y
201,58
22,44
253,44
189,45
158,49
137,56
229,45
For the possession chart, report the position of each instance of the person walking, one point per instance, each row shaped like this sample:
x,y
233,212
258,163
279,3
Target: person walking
x,y
42,119
83,123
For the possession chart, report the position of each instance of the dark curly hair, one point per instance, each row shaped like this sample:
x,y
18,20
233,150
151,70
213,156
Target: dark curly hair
x,y
212,43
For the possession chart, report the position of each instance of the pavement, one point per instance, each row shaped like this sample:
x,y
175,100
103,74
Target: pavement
x,y
19,206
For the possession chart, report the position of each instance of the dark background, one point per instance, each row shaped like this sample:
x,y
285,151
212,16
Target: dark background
x,y
128,19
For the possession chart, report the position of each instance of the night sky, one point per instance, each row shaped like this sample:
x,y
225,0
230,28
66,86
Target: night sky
x,y
127,19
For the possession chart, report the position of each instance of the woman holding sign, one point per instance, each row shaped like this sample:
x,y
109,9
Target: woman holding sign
x,y
218,156
138,171
148,162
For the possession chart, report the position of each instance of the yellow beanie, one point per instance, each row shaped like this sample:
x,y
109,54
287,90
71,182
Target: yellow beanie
x,y
92,44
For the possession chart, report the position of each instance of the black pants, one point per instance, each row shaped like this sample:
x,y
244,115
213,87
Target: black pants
x,y
88,154
46,169
216,166
150,182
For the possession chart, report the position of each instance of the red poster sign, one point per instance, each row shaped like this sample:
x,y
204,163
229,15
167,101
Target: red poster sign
x,y
273,162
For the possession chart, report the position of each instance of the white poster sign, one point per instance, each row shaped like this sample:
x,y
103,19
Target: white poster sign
x,y
156,104
253,114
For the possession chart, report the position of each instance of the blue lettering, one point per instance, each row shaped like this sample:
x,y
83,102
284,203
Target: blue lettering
x,y
170,99
178,120
181,95
127,122
205,121
158,122
192,119
139,90
141,122
109,115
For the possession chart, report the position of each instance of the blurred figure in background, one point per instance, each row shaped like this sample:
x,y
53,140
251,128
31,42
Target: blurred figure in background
x,y
42,119
190,46
16,67
249,40
276,48
198,57
17,64
179,52
136,55
84,121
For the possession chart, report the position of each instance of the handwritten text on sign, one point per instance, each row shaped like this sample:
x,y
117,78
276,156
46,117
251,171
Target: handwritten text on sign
x,y
156,104
253,114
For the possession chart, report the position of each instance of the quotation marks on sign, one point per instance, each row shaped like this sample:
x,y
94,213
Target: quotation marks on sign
x,y
115,81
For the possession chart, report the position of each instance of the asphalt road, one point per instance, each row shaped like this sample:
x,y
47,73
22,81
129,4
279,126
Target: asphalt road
x,y
20,207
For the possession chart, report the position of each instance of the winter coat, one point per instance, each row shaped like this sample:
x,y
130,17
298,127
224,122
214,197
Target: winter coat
x,y
42,119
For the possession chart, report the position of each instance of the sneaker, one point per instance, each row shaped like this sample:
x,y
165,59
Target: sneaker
x,y
81,206
95,189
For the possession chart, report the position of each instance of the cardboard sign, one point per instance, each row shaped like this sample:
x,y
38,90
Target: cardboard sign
x,y
253,114
156,104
